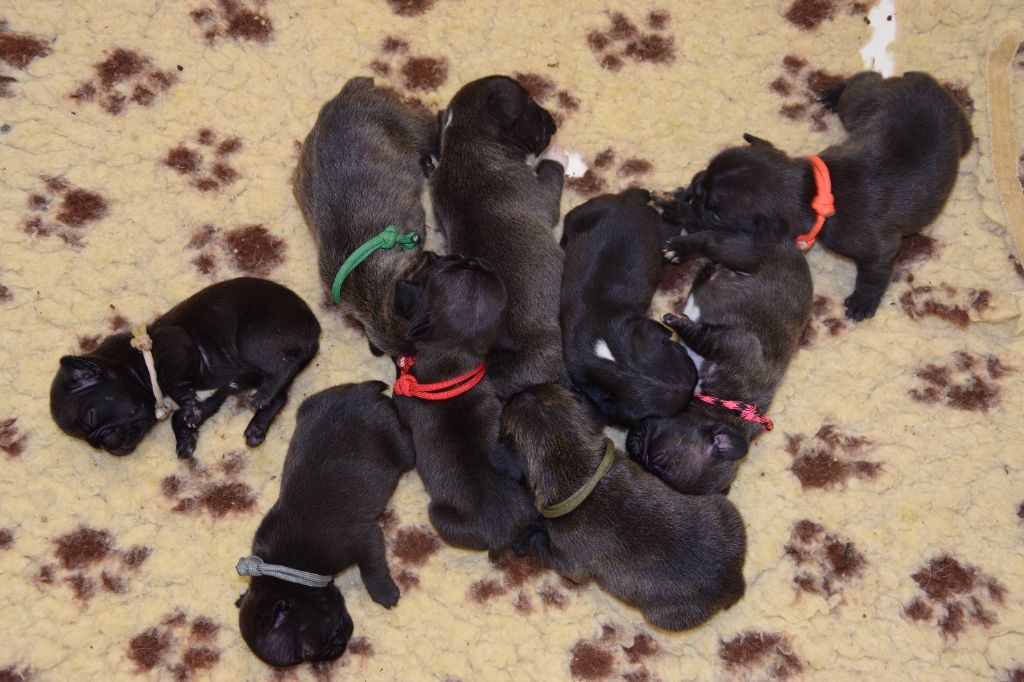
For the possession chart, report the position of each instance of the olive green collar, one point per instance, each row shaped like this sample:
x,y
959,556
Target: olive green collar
x,y
576,499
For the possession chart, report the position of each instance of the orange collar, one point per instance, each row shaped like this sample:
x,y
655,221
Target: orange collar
x,y
823,202
407,385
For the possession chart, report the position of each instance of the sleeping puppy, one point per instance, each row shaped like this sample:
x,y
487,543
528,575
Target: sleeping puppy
x,y
232,336
346,456
456,315
890,177
625,363
361,170
741,325
491,204
676,558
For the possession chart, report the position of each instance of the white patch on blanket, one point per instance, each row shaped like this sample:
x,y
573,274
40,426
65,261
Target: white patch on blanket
x,y
876,54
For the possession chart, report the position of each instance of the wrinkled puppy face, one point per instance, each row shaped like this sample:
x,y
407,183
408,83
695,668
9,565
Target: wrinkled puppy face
x,y
740,189
92,402
285,624
693,455
458,301
506,109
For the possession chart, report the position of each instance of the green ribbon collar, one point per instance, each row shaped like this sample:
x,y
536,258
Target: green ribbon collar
x,y
576,499
387,239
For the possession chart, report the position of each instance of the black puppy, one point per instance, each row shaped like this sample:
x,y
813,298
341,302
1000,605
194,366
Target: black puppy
x,y
890,177
456,316
491,204
677,558
240,334
741,324
624,362
347,453
361,170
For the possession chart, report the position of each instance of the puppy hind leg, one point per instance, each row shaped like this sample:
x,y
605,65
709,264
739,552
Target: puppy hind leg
x,y
256,431
276,380
373,569
872,281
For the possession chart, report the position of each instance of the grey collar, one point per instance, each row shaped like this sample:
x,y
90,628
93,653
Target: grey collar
x,y
255,566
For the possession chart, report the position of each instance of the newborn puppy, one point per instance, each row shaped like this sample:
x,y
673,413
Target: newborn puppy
x,y
491,204
346,456
240,334
456,315
361,170
890,177
624,362
676,558
741,325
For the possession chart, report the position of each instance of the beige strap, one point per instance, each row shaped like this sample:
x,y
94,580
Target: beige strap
x,y
142,342
1004,140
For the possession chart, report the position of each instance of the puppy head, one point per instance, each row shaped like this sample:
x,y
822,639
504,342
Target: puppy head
x,y
694,455
544,428
505,110
746,189
285,624
455,301
100,404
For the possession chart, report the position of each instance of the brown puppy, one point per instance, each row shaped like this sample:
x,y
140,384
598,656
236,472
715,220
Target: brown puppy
x,y
346,456
491,204
676,558
890,178
456,315
361,170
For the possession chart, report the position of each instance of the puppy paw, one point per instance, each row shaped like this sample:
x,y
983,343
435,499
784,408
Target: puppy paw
x,y
255,434
193,416
829,97
678,249
259,400
386,595
861,306
673,206
185,443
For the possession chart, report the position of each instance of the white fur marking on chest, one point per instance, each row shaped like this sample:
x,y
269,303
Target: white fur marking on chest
x,y
206,393
601,350
693,312
876,54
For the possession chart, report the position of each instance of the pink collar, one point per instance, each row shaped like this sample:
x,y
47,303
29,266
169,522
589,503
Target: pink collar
x,y
746,410
823,202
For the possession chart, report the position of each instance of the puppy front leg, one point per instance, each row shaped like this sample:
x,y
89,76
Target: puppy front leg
x,y
551,178
872,281
373,569
185,437
735,251
712,342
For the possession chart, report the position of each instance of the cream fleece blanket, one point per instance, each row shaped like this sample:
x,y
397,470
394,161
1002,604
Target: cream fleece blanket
x,y
147,151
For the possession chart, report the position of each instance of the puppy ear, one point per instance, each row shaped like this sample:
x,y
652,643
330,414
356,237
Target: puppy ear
x,y
409,296
80,373
756,141
726,443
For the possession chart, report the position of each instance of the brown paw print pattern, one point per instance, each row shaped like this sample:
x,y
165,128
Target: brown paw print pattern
x,y
249,249
235,19
623,40
181,646
760,655
829,458
62,210
559,102
124,77
17,51
827,562
523,581
827,316
14,673
6,538
944,301
1015,675
967,382
801,87
917,248
204,173
217,492
410,8
5,294
12,440
626,173
958,91
407,73
809,15
87,558
408,547
955,596
116,323
615,653
677,280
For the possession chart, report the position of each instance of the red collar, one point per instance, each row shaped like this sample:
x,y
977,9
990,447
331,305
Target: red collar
x,y
745,410
407,385
823,202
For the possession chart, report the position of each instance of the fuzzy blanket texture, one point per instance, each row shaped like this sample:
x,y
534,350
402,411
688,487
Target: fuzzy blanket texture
x,y
147,149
